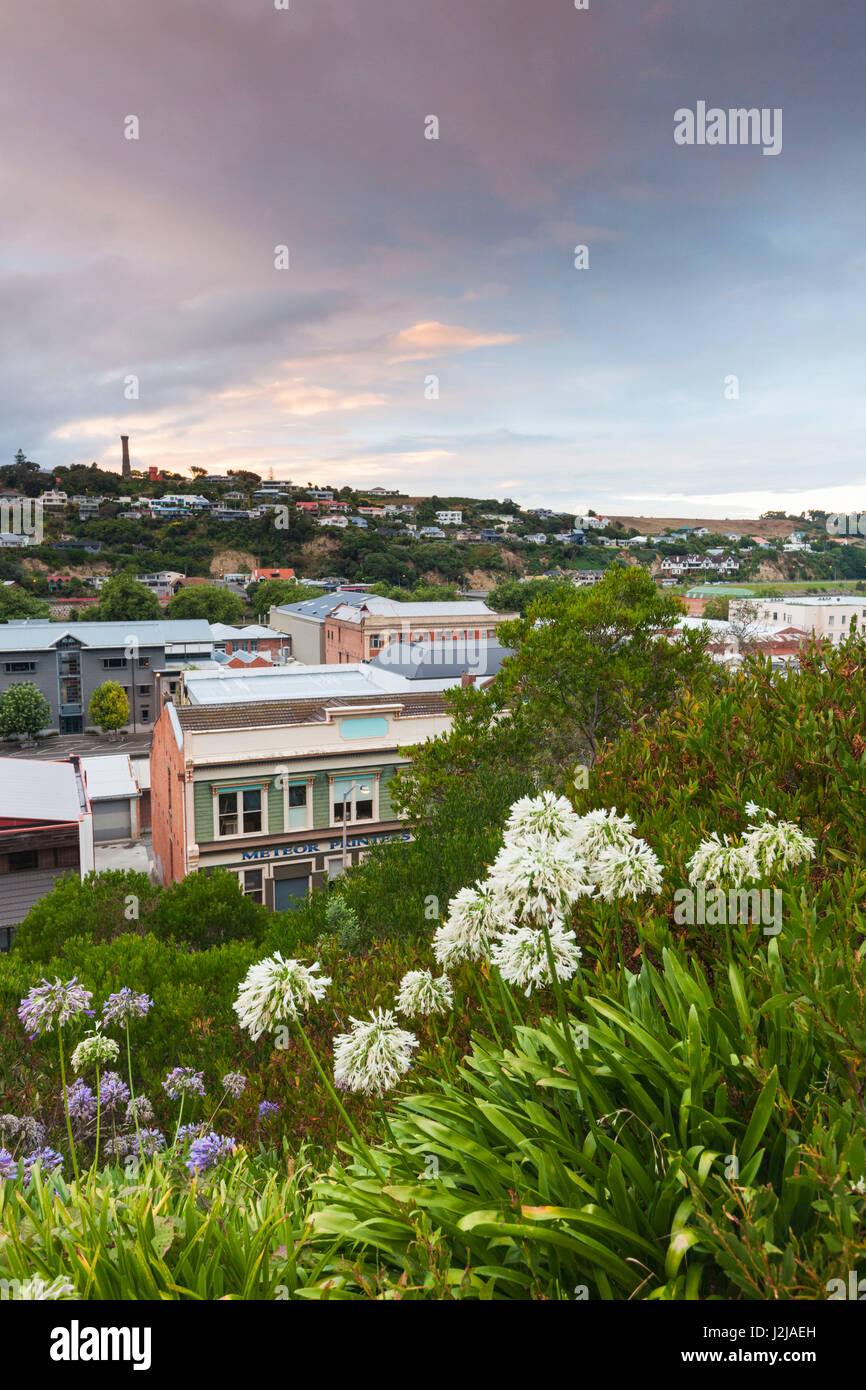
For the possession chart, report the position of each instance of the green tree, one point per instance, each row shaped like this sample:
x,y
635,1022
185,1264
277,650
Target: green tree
x,y
207,601
123,600
588,663
99,907
16,603
109,707
206,910
23,710
512,596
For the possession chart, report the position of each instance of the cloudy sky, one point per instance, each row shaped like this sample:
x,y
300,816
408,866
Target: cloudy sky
x,y
452,258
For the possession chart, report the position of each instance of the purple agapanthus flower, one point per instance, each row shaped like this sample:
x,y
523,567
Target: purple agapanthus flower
x,y
81,1101
49,1160
207,1151
152,1140
8,1165
125,1005
267,1109
183,1081
187,1133
113,1091
48,1003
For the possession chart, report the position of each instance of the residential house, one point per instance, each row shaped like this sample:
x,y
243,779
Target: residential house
x,y
163,583
258,574
449,518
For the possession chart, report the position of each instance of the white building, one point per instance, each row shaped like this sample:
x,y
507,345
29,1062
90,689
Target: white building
x,y
829,616
449,518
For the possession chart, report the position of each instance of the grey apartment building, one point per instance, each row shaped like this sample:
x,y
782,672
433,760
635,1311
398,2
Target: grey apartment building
x,y
68,662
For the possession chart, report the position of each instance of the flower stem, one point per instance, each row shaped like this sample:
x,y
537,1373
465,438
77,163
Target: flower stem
x,y
98,1115
132,1091
179,1118
339,1104
66,1102
560,999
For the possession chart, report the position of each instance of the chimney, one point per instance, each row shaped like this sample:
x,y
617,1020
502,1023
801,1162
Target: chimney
x,y
126,471
467,679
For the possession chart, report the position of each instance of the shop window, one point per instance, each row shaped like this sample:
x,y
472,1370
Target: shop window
x,y
251,884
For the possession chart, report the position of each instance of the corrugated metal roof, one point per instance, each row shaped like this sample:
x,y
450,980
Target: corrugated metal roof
x,y
34,790
42,636
109,778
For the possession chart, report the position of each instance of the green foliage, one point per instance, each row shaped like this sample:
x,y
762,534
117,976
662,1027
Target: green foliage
x,y
200,911
109,706
168,1238
23,710
207,601
123,599
512,596
17,603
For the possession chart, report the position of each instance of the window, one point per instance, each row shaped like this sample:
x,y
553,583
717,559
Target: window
x,y
144,660
239,811
298,806
251,884
359,803
145,715
375,644
14,666
334,867
831,619
143,689
113,663
23,861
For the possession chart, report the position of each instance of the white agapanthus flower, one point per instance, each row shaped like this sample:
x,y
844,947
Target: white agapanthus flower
x,y
37,1290
521,956
628,871
94,1051
778,846
539,877
276,990
753,810
373,1055
716,861
423,993
547,814
601,830
471,927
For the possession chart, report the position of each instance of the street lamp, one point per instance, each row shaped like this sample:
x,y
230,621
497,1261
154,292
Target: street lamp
x,y
351,791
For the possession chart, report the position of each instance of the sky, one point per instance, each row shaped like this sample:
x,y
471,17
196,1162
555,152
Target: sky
x,y
431,331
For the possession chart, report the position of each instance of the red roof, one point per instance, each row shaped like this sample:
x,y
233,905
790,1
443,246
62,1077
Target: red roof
x,y
258,574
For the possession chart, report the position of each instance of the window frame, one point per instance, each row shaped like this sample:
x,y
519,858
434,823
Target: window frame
x,y
351,803
237,789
